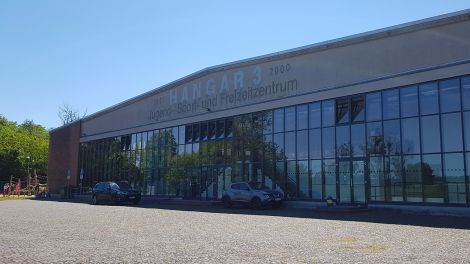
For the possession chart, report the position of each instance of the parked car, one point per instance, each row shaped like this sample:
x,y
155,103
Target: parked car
x,y
115,193
255,194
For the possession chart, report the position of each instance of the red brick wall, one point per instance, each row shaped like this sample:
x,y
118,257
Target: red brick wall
x,y
63,155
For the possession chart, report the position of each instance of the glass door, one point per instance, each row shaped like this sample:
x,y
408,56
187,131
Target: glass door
x,y
358,174
345,181
351,181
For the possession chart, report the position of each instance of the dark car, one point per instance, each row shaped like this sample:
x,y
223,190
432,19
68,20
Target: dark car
x,y
115,193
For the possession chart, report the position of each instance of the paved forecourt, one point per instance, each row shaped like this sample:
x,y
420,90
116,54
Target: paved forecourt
x,y
60,232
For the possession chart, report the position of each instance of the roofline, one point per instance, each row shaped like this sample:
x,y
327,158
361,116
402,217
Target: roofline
x,y
416,25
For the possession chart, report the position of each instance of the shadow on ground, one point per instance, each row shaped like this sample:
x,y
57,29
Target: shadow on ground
x,y
380,216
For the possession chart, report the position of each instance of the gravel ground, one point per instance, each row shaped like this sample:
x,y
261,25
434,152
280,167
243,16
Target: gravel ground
x,y
60,232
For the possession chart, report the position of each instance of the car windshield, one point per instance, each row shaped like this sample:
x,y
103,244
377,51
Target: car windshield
x,y
258,186
120,186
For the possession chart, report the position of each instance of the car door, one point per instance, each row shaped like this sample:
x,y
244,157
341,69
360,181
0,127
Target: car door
x,y
245,194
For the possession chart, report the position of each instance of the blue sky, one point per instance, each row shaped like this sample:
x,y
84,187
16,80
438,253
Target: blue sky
x,y
94,54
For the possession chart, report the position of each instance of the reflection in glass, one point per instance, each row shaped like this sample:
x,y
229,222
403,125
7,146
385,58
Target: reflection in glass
x,y
211,130
455,177
196,133
304,190
342,111
390,104
279,120
290,145
279,146
392,137
430,134
315,143
342,141
291,182
466,129
328,113
429,98
358,173
450,95
329,167
451,132
375,140
302,117
315,115
466,93
280,179
434,191
357,108
376,176
358,140
409,101
328,142
315,168
374,106
302,144
412,166
290,118
394,185
344,177
228,128
410,135
202,132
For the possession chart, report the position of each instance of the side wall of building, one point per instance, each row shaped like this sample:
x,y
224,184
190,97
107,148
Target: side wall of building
x,y
63,156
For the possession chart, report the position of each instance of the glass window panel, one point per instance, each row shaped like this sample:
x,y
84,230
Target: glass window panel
x,y
430,134
391,104
210,130
433,183
317,183
280,177
268,147
467,161
410,135
228,128
315,115
395,176
279,120
290,145
302,117
466,121
375,140
329,167
450,95
377,181
328,142
412,166
409,101
279,145
451,132
358,140
196,131
189,134
342,111
392,141
357,108
342,141
290,118
374,106
315,143
455,177
429,98
220,129
267,118
133,141
302,144
328,113
291,183
466,93
203,131
304,179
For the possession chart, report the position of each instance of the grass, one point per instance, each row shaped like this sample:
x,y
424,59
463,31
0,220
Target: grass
x,y
15,197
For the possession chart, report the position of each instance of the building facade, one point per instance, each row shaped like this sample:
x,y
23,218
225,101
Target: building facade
x,y
382,116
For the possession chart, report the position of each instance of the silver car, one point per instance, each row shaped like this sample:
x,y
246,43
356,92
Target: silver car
x,y
255,194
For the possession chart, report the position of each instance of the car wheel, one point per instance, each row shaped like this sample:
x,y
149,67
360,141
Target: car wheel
x,y
255,203
94,201
227,202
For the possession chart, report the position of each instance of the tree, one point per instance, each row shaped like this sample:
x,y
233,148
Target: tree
x,y
68,114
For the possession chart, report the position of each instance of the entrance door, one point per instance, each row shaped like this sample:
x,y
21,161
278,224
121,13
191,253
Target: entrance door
x,y
351,181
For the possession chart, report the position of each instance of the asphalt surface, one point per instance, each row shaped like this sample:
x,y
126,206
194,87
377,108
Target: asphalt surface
x,y
63,232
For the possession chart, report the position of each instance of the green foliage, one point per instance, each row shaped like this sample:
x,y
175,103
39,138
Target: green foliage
x,y
17,142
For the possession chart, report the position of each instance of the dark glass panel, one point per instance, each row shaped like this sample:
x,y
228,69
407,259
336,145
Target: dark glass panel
x,y
315,143
410,135
409,101
328,113
329,170
392,137
133,141
412,166
228,128
328,142
302,117
466,93
374,106
455,177
375,139
189,134
451,132
220,129
466,122
342,141
196,134
391,104
279,120
267,118
203,131
304,179
291,182
433,183
290,145
228,151
450,95
358,140
394,185
302,144
280,179
290,118
210,130
315,115
377,180
342,111
357,108
429,98
268,147
279,146
317,183
430,134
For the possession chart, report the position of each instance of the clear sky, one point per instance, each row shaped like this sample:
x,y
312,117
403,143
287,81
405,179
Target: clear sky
x,y
94,54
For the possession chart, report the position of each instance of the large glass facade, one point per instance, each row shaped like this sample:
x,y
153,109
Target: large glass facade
x,y
407,144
